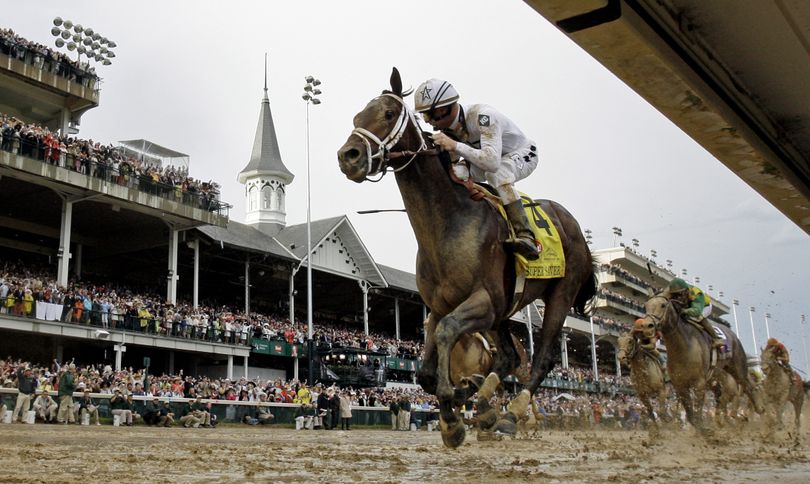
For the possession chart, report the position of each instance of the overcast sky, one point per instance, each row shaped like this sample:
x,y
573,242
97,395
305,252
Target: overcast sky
x,y
189,75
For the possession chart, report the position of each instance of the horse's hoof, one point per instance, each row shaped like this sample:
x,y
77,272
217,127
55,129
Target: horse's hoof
x,y
506,426
453,434
487,419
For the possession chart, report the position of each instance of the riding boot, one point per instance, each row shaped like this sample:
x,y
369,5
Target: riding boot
x,y
717,342
523,243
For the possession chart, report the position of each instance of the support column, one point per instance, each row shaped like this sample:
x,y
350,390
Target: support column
x,y
64,121
171,362
364,288
246,367
295,368
247,287
564,349
530,328
171,289
64,243
593,353
618,362
230,367
77,262
292,295
396,315
196,295
60,353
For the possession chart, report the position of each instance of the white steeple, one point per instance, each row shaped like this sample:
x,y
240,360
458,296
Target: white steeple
x,y
265,176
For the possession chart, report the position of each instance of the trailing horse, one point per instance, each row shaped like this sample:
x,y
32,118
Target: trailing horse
x,y
689,358
463,272
646,374
781,385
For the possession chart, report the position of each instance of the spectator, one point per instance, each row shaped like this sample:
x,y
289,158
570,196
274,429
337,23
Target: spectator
x,y
26,386
45,407
120,408
88,406
67,385
345,411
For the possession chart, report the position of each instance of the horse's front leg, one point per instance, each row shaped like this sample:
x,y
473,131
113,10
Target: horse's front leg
x,y
474,314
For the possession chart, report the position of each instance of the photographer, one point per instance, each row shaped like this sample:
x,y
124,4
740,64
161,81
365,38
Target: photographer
x,y
119,407
87,405
45,407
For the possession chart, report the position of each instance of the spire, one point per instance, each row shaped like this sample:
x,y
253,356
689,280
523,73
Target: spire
x,y
265,158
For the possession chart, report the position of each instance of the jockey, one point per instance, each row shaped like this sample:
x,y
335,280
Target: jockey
x,y
698,306
491,143
780,353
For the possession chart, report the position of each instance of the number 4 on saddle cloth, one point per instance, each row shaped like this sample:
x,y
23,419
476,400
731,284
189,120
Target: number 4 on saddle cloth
x,y
551,263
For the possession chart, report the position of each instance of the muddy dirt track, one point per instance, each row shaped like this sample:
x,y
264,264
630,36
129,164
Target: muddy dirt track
x,y
55,453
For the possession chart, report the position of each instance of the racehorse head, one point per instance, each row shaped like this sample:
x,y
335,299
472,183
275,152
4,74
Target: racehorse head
x,y
627,348
384,124
660,313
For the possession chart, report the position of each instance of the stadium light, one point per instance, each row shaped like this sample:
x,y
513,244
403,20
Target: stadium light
x,y
617,234
751,310
767,326
734,304
83,40
310,97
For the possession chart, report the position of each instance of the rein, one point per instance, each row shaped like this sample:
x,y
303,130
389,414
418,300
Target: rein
x,y
384,154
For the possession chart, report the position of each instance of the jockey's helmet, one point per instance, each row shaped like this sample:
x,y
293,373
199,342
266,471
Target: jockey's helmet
x,y
677,285
433,94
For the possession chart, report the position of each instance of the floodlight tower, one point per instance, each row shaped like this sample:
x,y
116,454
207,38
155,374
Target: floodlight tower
x,y
83,40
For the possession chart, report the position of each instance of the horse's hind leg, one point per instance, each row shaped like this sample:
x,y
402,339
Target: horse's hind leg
x,y
557,308
505,358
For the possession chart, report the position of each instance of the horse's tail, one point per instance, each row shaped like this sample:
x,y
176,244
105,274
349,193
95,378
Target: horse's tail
x,y
587,291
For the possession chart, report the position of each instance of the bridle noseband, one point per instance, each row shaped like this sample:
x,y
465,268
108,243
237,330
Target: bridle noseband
x,y
383,154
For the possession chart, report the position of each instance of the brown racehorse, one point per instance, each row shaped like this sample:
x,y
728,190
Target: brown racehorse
x,y
646,374
688,359
781,385
463,272
726,397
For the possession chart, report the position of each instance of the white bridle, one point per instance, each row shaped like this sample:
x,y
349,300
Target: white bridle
x,y
384,146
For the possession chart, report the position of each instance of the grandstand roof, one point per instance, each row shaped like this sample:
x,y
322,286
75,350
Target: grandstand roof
x,y
398,279
266,158
149,148
294,237
246,237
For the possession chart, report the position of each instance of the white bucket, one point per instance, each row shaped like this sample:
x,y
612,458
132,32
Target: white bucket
x,y
116,420
430,425
413,427
30,417
86,418
7,416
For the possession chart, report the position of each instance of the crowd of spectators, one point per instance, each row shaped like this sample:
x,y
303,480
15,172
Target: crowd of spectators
x,y
45,58
619,272
319,404
620,299
29,292
586,376
107,162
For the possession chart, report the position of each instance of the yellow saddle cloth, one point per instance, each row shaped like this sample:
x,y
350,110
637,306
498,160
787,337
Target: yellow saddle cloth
x,y
551,263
